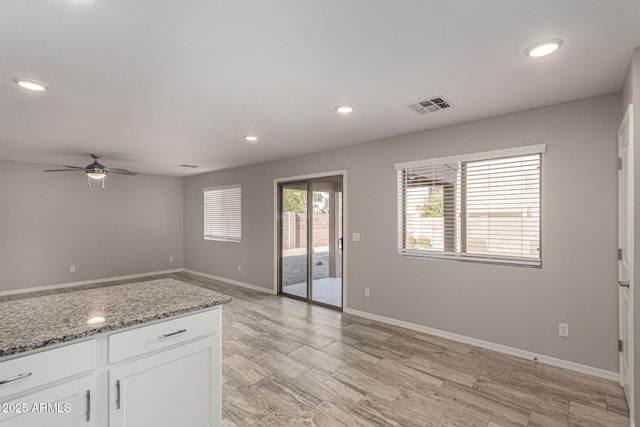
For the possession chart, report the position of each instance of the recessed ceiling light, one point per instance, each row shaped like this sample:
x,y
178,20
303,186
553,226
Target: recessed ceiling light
x,y
251,138
31,85
543,48
344,109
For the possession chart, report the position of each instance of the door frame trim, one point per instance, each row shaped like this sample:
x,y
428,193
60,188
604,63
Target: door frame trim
x,y
345,229
627,120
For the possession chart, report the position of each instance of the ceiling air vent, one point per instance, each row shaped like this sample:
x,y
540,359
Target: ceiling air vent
x,y
430,105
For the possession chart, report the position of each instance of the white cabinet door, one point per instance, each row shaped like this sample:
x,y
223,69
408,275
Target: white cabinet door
x,y
178,387
70,404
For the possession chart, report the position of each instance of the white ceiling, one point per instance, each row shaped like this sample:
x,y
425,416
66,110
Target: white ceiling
x,y
152,84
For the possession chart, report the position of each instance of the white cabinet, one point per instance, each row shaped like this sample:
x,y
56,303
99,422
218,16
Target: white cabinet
x,y
167,373
161,335
69,404
50,388
172,388
163,373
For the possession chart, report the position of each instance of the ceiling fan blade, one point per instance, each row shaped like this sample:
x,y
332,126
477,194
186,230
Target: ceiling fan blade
x,y
120,171
94,170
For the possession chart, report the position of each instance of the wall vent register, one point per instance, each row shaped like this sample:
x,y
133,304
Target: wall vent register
x,y
481,207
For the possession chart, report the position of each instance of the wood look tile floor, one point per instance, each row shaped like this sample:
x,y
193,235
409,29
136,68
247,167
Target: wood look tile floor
x,y
287,363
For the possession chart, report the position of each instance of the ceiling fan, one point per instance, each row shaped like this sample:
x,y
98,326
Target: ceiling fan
x,y
95,170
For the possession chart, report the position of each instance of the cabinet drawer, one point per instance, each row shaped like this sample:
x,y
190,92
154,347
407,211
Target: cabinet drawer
x,y
34,370
123,345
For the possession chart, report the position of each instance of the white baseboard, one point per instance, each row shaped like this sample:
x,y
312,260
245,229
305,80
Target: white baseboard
x,y
577,367
88,282
136,276
232,282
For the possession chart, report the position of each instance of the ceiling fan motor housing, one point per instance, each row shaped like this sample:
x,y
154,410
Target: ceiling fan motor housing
x,y
95,167
96,170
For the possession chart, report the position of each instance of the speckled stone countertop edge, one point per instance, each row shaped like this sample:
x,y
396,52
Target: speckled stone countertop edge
x,y
17,350
33,324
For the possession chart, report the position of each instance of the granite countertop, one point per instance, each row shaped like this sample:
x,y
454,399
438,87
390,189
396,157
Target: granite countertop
x,y
32,323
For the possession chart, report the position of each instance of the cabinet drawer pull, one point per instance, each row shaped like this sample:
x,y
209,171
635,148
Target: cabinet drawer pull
x,y
16,378
118,394
181,331
88,405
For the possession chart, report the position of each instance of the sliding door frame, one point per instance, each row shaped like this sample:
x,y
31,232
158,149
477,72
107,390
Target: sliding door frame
x,y
276,232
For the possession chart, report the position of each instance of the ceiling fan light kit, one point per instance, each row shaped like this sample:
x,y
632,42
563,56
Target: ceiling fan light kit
x,y
95,170
96,174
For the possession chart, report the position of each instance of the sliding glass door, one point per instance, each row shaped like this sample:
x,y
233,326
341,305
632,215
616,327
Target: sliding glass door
x,y
293,239
310,240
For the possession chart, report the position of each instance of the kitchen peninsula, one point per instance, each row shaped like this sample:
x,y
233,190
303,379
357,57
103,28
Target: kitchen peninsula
x,y
143,353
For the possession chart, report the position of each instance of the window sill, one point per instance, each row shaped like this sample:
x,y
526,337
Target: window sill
x,y
510,262
221,239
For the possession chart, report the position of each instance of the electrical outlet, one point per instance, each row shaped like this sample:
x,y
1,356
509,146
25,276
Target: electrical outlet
x,y
563,330
72,269
367,292
239,268
170,259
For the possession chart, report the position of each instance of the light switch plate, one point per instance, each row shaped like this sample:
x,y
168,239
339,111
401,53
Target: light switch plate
x,y
355,237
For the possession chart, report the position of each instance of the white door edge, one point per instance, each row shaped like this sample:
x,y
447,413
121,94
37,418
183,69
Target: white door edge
x,y
625,270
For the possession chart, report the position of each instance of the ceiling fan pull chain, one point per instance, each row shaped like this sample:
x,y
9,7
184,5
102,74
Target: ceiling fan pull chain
x,y
88,182
103,178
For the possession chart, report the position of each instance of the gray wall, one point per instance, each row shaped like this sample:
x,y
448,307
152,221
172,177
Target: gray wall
x,y
513,306
636,204
49,222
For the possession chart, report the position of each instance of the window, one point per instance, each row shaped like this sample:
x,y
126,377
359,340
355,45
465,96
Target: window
x,y
223,213
478,207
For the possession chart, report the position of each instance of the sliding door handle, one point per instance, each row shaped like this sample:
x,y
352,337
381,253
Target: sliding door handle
x,y
623,284
340,243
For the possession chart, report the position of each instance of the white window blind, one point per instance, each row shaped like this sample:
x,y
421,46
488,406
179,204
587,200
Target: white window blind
x,y
223,213
480,207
